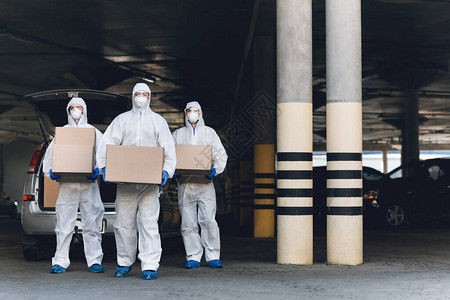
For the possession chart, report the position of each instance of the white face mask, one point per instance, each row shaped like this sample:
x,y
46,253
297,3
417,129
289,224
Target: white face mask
x,y
140,101
76,113
192,117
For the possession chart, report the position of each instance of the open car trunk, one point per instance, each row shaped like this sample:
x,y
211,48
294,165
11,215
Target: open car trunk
x,y
48,193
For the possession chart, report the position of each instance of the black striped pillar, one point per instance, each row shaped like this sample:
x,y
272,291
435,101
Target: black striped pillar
x,y
246,194
344,132
294,132
294,196
264,191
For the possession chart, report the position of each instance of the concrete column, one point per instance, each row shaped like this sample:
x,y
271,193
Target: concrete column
x,y
229,194
344,132
385,161
235,195
410,132
246,195
294,132
264,149
2,161
264,191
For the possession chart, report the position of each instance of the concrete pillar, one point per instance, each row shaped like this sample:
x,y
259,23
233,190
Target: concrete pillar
x,y
246,195
410,132
229,193
264,191
385,161
264,149
2,161
235,195
294,132
264,79
344,132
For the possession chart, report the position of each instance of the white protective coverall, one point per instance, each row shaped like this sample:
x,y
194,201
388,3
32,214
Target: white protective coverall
x,y
74,194
138,127
197,201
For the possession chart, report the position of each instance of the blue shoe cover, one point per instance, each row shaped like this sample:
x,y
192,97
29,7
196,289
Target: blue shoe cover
x,y
149,275
215,264
192,264
122,271
96,269
57,269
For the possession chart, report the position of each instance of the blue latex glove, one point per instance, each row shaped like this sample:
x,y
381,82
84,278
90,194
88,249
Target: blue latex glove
x,y
211,176
53,176
94,176
176,175
165,176
103,175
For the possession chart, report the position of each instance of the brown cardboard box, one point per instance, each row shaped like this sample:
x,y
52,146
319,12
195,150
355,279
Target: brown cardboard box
x,y
51,191
193,163
74,136
134,164
73,153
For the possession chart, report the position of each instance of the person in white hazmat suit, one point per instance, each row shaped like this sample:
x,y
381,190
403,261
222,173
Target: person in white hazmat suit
x,y
138,127
72,195
197,201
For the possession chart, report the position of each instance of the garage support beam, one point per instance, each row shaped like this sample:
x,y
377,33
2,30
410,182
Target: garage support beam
x,y
344,132
264,191
235,194
264,149
410,132
245,195
294,132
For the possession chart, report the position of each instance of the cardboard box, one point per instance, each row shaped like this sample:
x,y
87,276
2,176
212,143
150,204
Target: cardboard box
x,y
74,136
133,164
74,153
193,163
51,192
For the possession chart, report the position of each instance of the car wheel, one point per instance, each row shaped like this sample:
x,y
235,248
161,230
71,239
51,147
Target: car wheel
x,y
35,248
395,216
31,253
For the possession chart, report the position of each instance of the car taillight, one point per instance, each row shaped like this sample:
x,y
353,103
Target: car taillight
x,y
372,197
32,169
28,197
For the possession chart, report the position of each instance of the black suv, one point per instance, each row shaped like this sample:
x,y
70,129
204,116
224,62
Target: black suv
x,y
415,192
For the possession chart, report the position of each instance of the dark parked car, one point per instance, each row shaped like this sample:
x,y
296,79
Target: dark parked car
x,y
8,207
371,182
415,192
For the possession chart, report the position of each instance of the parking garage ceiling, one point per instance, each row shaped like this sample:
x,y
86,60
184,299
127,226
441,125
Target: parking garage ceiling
x,y
195,49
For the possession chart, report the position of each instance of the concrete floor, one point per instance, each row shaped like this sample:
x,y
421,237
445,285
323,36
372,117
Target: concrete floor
x,y
409,264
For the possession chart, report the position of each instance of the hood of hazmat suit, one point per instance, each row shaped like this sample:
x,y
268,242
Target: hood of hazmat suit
x,y
141,87
83,122
196,105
